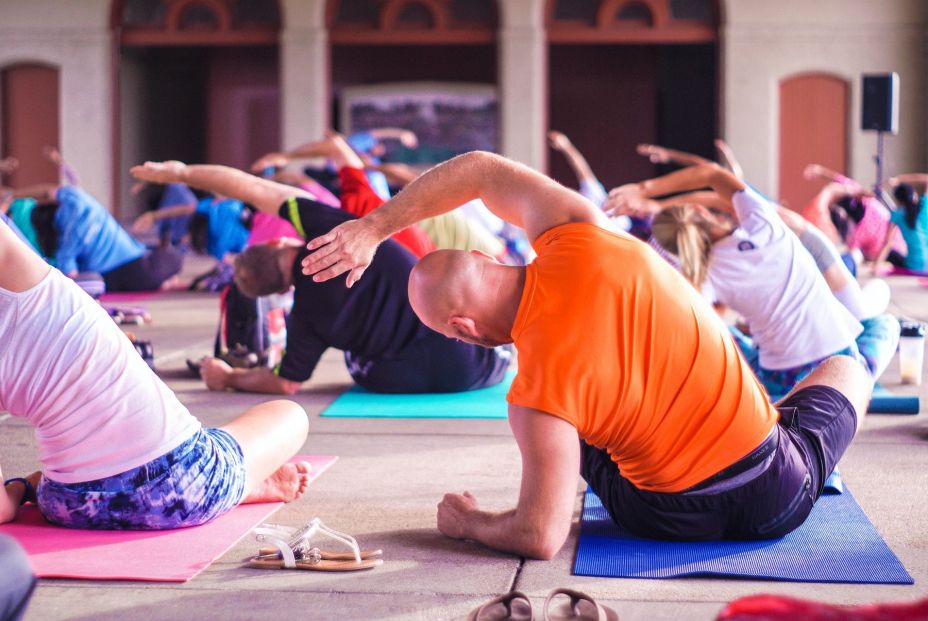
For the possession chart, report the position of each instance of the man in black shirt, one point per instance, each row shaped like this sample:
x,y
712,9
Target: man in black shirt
x,y
387,348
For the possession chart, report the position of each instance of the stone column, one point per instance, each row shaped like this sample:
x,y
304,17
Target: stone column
x,y
523,81
304,72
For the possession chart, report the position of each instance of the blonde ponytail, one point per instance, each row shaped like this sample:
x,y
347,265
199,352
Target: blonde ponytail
x,y
683,231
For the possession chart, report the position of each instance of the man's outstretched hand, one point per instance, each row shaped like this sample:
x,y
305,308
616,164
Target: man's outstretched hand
x,y
159,172
349,247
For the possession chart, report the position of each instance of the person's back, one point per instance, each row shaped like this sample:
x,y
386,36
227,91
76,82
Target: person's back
x,y
67,368
797,320
916,237
90,239
661,385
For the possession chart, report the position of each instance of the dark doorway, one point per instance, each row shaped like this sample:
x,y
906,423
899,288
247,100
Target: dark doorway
x,y
610,98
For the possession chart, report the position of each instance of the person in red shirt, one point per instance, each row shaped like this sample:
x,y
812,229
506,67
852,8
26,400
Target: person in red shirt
x,y
625,373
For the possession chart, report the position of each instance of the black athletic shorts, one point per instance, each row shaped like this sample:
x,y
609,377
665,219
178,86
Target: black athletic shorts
x,y
147,272
816,425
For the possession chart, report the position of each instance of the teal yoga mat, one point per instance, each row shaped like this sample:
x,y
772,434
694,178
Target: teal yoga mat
x,y
837,543
483,403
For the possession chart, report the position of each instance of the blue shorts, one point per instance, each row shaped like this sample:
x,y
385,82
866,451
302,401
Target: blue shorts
x,y
198,481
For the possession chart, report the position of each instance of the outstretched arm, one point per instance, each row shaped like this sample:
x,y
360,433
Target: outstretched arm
x,y
406,137
663,155
514,192
728,159
724,183
817,171
560,142
919,179
333,147
265,195
539,524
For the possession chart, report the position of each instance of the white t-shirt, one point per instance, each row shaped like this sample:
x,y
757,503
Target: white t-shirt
x,y
97,408
763,273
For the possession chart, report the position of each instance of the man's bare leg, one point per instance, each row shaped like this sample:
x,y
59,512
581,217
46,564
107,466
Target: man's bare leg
x,y
270,434
845,375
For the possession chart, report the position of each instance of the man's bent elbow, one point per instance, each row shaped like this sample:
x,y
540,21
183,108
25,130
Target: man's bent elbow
x,y
544,543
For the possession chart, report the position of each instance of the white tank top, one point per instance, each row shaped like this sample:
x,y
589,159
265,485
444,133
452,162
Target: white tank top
x,y
97,408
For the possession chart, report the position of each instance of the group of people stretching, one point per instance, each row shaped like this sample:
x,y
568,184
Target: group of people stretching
x,y
663,409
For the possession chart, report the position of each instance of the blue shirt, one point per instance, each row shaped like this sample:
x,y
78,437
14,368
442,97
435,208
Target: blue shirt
x,y
916,238
226,231
363,142
89,238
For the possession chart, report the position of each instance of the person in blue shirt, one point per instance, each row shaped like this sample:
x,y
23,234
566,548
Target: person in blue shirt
x,y
911,218
84,237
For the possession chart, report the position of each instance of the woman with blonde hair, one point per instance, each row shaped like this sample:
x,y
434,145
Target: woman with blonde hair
x,y
757,266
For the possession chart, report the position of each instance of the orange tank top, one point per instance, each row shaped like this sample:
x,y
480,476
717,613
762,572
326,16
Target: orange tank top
x,y
614,341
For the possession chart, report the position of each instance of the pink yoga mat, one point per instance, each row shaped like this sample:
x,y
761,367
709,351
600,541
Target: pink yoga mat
x,y
153,556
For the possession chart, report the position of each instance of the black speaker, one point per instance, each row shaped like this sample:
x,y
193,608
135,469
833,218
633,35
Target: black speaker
x,y
880,103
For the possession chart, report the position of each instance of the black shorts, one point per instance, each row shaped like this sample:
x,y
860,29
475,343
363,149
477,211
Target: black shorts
x,y
433,363
816,426
147,272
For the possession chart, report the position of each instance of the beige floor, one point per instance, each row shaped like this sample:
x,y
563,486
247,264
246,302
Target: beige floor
x,y
391,474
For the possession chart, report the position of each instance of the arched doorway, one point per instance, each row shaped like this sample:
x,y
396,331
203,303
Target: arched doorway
x,y
198,80
622,72
406,53
813,130
30,121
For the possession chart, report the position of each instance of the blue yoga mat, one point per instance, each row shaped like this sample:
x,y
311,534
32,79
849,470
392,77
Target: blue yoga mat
x,y
483,403
837,543
885,402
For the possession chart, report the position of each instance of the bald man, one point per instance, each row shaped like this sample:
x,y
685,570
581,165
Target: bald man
x,y
617,351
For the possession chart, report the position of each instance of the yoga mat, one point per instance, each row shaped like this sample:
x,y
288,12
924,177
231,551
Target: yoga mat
x,y
837,543
904,271
885,402
152,556
482,403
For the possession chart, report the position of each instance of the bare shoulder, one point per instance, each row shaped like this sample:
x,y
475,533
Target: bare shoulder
x,y
23,267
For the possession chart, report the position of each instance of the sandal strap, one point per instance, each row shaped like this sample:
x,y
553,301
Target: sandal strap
x,y
575,598
506,600
294,543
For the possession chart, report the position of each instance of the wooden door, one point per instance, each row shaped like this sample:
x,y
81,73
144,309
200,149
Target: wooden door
x,y
813,130
30,121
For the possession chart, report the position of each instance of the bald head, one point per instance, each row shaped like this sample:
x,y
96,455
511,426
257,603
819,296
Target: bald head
x,y
466,296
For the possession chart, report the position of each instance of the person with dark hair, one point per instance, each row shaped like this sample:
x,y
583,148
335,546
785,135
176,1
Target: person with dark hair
x,y
861,220
386,347
911,219
78,235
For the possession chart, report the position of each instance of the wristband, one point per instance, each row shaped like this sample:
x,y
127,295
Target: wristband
x,y
29,490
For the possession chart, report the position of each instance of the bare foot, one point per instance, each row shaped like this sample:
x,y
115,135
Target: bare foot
x,y
289,482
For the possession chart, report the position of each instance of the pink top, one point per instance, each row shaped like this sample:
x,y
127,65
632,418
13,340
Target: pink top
x,y
869,234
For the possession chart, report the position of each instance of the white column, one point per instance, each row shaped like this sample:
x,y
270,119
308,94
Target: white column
x,y
523,81
304,72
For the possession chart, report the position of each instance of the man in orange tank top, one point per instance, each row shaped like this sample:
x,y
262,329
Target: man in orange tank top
x,y
625,373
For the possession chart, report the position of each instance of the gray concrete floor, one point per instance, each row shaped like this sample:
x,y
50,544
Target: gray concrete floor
x,y
392,473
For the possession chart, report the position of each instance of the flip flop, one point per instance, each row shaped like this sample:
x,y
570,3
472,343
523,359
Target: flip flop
x,y
295,551
582,607
512,606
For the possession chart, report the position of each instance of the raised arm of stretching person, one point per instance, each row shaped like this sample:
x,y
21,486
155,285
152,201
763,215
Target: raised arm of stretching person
x,y
514,192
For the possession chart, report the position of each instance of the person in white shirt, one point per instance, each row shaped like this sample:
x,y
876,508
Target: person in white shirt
x,y
758,267
119,451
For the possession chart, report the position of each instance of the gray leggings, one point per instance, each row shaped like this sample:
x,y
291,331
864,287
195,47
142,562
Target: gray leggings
x,y
16,580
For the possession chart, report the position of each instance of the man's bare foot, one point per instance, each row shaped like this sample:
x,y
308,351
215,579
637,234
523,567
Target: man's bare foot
x,y
289,482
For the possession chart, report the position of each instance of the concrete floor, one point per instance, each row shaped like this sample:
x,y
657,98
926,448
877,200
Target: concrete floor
x,y
391,474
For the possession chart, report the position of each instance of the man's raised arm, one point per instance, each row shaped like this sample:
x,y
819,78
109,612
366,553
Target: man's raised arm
x,y
512,191
265,195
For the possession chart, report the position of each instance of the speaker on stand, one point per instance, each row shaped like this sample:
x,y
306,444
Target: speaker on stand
x,y
880,111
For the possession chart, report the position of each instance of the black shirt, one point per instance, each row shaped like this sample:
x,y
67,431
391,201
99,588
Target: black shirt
x,y
372,319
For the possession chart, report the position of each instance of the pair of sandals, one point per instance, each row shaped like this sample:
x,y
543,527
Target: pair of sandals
x,y
516,606
294,549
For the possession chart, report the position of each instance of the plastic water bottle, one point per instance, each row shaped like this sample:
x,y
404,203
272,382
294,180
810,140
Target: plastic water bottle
x,y
911,351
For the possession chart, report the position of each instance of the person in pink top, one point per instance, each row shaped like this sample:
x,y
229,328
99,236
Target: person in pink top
x,y
869,218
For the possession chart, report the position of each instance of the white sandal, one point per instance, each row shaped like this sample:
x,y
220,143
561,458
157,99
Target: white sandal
x,y
293,549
